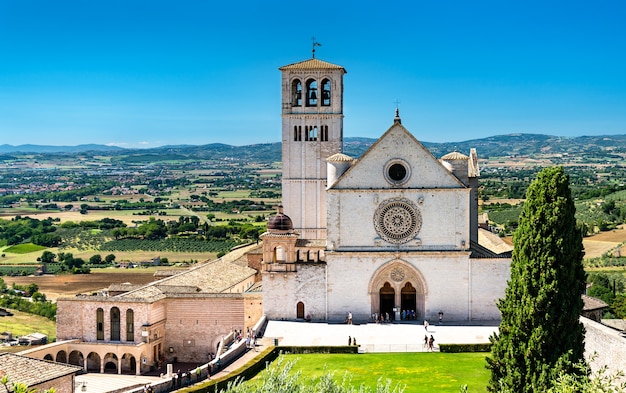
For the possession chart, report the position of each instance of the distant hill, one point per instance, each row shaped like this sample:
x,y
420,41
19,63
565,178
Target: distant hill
x,y
511,145
56,149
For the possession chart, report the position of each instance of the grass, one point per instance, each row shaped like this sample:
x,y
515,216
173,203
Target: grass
x,y
24,248
21,324
419,372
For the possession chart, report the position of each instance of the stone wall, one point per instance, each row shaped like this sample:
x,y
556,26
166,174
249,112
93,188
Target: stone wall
x,y
76,318
488,283
63,384
284,290
194,326
253,309
605,344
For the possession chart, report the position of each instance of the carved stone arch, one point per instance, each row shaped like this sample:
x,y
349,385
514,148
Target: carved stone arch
x,y
280,253
296,91
397,273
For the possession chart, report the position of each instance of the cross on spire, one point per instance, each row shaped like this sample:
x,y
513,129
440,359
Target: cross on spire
x,y
397,118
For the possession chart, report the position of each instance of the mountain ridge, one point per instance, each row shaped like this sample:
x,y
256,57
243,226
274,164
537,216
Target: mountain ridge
x,y
517,144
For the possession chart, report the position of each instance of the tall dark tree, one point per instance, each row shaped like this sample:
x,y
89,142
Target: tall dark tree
x,y
540,334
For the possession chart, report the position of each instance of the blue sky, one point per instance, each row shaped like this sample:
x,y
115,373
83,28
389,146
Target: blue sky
x,y
153,73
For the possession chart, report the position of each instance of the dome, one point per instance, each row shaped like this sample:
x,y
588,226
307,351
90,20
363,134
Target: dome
x,y
339,157
455,155
280,222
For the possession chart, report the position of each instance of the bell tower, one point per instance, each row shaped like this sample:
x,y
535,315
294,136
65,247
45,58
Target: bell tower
x,y
312,112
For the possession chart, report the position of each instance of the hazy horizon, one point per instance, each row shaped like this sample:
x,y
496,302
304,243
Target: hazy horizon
x,y
153,74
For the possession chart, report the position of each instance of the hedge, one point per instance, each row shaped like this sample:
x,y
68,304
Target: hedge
x,y
456,348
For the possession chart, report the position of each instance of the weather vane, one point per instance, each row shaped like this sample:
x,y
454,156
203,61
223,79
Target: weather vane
x,y
315,43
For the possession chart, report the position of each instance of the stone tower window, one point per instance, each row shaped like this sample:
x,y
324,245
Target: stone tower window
x,y
311,92
311,133
324,136
326,92
296,89
279,254
99,324
297,133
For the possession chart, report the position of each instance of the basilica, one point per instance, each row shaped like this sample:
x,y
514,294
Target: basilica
x,y
391,232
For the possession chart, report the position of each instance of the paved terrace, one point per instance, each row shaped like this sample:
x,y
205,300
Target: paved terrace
x,y
371,337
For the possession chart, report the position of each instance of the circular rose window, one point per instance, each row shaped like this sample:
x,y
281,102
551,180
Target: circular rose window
x,y
397,220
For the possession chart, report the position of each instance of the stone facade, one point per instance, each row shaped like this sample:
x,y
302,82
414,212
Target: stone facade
x,y
401,228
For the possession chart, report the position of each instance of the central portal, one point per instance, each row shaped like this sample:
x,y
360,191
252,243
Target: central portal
x,y
397,285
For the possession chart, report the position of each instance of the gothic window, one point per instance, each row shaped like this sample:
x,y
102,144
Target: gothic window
x,y
115,324
296,89
99,324
326,92
311,92
130,325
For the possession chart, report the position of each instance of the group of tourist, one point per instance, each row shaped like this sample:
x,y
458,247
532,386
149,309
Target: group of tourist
x,y
429,343
382,318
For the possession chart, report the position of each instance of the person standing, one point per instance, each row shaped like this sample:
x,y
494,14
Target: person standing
x,y
431,343
440,317
349,317
426,324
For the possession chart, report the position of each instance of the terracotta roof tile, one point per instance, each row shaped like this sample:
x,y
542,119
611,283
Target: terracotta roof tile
x,y
31,371
312,64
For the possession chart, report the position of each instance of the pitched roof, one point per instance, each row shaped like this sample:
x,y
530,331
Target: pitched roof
x,y
592,303
31,371
207,278
312,64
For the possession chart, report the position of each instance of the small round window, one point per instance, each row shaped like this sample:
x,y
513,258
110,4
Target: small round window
x,y
397,172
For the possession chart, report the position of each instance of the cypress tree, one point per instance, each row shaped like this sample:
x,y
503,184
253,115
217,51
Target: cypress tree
x,y
540,333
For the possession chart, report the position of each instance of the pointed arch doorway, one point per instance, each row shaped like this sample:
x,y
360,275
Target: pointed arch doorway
x,y
387,297
397,285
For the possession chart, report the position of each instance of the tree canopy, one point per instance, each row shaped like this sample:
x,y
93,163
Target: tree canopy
x,y
540,334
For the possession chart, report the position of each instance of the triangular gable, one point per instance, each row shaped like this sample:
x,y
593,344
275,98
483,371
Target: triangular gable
x,y
397,143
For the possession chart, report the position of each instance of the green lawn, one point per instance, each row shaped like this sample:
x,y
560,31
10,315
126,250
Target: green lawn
x,y
24,248
420,372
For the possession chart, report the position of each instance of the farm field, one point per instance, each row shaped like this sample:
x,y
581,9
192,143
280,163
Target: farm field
x,y
131,256
71,284
21,324
597,245
419,372
125,216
